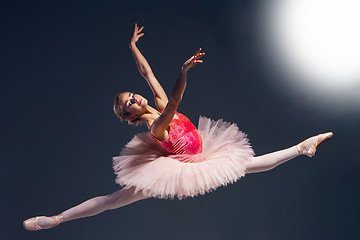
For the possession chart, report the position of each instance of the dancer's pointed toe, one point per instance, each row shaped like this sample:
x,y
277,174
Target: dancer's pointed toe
x,y
309,146
31,224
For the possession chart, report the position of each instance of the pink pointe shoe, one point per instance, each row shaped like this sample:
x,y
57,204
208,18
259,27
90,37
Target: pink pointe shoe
x,y
308,147
32,225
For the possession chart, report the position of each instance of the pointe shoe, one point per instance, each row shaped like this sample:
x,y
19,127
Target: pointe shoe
x,y
308,147
32,225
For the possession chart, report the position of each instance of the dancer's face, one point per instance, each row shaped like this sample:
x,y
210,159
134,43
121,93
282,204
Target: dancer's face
x,y
133,103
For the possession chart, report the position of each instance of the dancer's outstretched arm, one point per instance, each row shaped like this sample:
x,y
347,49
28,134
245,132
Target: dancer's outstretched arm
x,y
160,125
145,70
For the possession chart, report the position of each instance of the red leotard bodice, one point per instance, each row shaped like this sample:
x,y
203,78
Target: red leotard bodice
x,y
183,137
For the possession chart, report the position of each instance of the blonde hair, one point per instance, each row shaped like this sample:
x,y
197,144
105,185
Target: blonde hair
x,y
121,113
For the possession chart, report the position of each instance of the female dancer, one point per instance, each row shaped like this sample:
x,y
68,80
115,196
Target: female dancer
x,y
174,158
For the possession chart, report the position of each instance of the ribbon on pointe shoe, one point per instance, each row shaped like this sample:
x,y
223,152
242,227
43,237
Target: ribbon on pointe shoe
x,y
308,147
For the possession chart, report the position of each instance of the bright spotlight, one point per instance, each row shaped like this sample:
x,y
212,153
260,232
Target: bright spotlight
x,y
316,45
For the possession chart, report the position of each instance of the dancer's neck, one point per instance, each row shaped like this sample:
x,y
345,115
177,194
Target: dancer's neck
x,y
150,115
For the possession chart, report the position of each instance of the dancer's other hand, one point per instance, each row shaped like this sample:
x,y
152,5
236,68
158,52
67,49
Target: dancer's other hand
x,y
193,61
137,34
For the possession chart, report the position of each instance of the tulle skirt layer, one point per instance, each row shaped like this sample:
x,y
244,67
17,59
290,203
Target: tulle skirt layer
x,y
145,165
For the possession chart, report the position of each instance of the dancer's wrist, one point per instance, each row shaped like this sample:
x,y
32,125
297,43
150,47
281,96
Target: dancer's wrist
x,y
132,44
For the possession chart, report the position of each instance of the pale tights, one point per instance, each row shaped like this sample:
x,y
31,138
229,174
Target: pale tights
x,y
97,205
124,197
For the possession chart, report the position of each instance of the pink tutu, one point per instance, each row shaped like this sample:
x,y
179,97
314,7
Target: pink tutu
x,y
148,167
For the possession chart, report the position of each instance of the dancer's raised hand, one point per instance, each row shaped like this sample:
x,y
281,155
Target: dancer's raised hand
x,y
193,60
137,34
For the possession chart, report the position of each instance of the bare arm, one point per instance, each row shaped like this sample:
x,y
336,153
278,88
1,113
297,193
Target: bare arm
x,y
161,123
145,70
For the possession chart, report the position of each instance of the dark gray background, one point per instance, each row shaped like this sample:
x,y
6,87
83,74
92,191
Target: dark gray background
x,y
62,63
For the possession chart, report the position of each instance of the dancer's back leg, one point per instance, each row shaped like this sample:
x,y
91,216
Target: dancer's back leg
x,y
99,204
88,208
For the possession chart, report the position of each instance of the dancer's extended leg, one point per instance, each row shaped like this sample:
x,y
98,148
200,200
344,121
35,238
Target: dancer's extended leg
x,y
271,160
88,208
97,205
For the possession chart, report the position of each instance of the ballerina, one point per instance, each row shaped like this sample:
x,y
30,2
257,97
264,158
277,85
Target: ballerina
x,y
174,159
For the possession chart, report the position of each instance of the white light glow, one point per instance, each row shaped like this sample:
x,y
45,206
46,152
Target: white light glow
x,y
316,43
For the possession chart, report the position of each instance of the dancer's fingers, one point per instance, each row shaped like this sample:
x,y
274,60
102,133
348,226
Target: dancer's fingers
x,y
197,52
141,29
200,55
